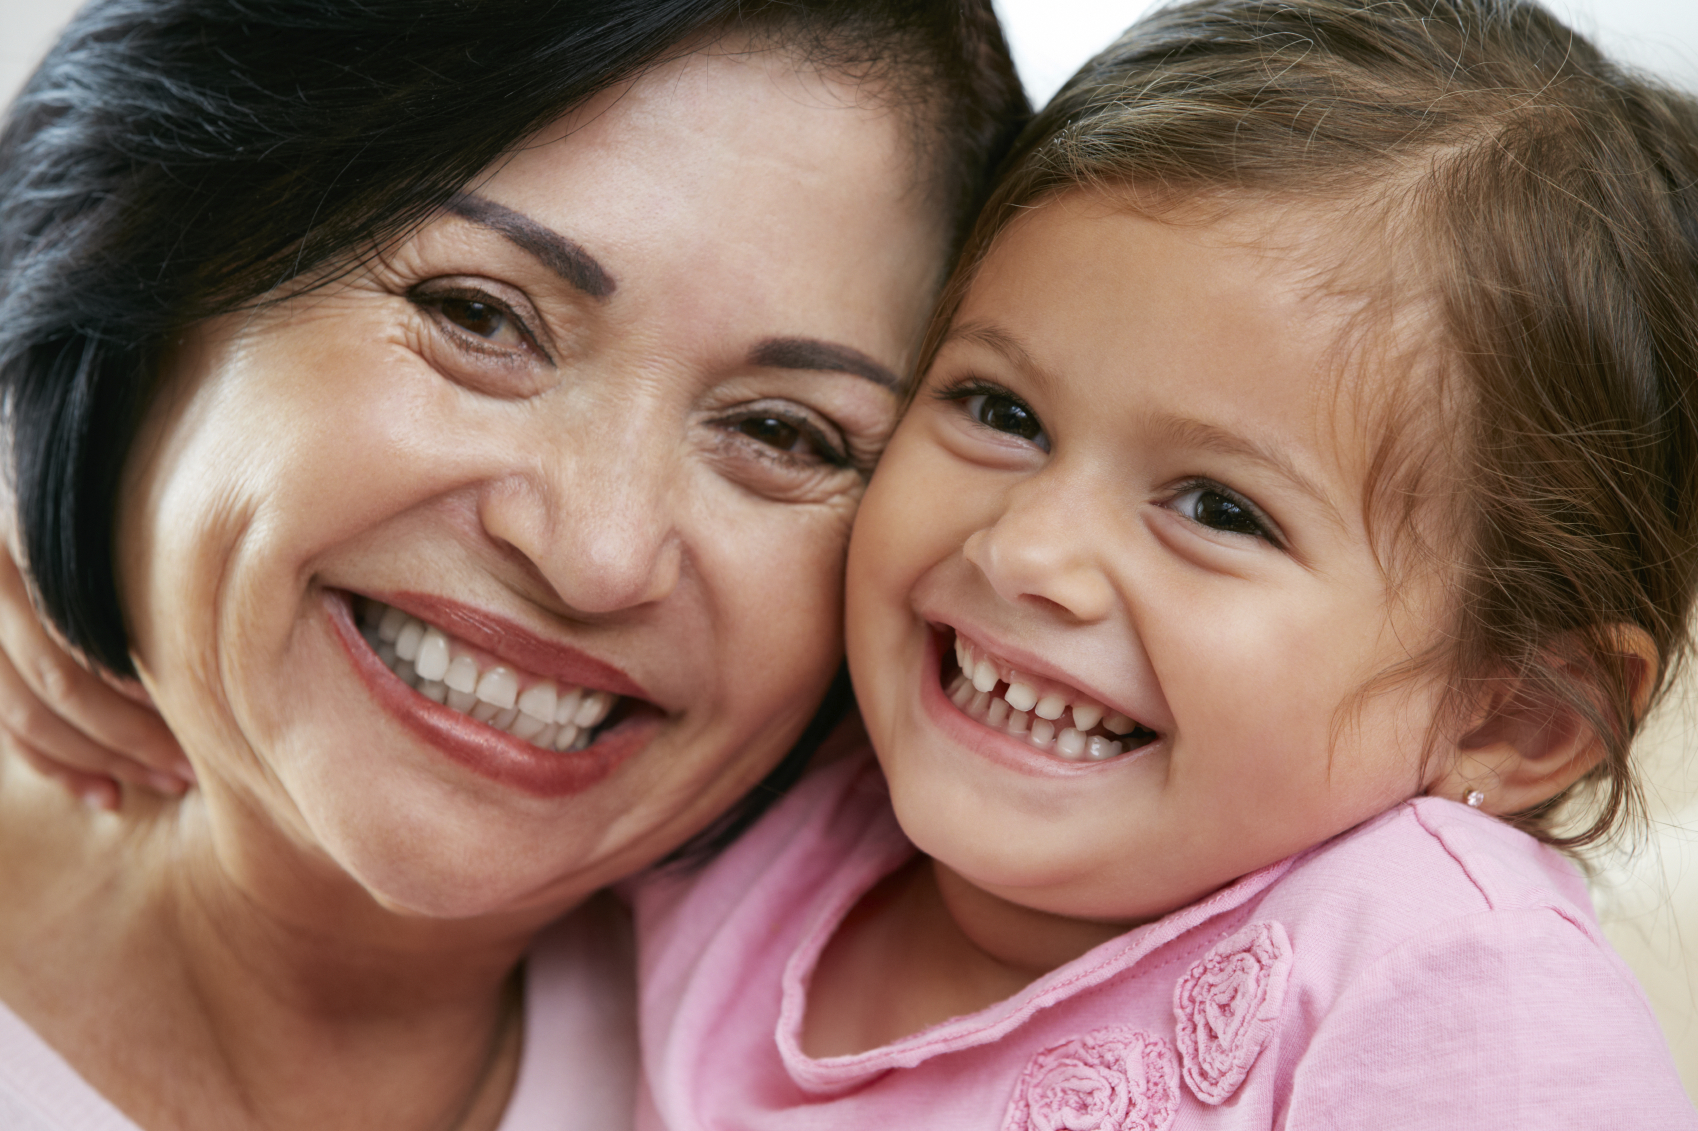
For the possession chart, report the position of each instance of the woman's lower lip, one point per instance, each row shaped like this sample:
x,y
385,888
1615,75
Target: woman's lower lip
x,y
994,745
484,750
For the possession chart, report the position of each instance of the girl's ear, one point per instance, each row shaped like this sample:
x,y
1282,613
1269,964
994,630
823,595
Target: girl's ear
x,y
1526,745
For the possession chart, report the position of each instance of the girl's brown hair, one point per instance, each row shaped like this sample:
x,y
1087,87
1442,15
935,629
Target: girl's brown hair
x,y
1550,198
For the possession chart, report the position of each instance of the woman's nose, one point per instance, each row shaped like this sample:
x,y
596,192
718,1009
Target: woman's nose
x,y
600,533
1045,547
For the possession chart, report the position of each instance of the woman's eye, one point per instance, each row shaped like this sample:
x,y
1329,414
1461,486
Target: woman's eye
x,y
1002,413
799,440
1218,510
774,432
485,319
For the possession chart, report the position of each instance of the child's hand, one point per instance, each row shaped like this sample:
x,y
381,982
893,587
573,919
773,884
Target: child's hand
x,y
71,725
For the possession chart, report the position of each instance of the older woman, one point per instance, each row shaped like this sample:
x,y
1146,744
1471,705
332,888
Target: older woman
x,y
451,415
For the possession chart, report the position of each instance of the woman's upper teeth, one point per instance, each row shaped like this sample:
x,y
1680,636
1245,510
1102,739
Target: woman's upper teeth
x,y
526,706
1029,708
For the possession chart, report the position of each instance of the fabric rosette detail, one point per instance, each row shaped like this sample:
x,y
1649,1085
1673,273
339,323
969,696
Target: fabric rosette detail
x,y
1226,1008
1112,1079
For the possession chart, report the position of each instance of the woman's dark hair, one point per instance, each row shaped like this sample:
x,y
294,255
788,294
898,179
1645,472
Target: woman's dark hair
x,y
171,160
1536,208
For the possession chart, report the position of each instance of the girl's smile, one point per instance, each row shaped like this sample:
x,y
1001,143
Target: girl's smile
x,y
1113,597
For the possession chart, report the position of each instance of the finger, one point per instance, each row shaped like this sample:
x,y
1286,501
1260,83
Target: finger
x,y
126,728
94,790
35,726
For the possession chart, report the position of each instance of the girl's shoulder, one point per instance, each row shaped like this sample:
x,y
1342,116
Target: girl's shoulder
x,y
1436,943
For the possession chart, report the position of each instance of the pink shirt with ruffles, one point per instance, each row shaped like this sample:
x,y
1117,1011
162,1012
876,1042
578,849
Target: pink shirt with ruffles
x,y
1431,969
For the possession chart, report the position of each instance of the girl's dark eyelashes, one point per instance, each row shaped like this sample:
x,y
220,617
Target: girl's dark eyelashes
x,y
1218,507
477,319
991,406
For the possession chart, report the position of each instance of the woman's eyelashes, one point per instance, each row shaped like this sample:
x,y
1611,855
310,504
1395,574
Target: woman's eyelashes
x,y
999,410
481,322
787,433
1210,505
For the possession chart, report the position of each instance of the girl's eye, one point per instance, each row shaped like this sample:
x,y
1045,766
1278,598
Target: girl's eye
x,y
1003,413
1218,509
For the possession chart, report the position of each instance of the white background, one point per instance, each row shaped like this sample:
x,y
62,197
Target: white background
x,y
1052,37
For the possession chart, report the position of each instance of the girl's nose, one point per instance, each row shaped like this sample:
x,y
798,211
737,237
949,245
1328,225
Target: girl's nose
x,y
1042,549
603,537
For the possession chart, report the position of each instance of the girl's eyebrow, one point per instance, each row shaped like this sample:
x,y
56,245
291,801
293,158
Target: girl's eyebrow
x,y
1187,432
559,254
1004,343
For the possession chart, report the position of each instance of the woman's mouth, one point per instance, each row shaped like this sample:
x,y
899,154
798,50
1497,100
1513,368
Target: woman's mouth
x,y
1059,720
448,671
512,706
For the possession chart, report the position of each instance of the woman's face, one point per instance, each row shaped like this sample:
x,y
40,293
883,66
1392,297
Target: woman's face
x,y
602,427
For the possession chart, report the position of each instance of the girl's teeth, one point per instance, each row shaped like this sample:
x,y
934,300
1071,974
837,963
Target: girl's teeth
x,y
544,715
1100,749
1022,696
1021,712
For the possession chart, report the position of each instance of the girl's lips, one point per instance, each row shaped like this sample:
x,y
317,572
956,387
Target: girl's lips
x,y
996,745
482,749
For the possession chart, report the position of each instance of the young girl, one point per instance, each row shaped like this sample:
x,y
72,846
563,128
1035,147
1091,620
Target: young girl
x,y
1298,505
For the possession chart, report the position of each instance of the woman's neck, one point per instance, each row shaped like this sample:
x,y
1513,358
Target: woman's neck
x,y
201,979
924,945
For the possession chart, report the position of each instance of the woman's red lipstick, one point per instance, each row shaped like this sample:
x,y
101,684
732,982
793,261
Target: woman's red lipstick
x,y
482,749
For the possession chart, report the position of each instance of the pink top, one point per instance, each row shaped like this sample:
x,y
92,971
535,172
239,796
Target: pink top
x,y
1433,968
578,1071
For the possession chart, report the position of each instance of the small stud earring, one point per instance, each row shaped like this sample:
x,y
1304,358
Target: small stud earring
x,y
1473,798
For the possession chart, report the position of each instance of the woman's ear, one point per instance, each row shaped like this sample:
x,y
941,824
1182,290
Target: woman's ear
x,y
1526,745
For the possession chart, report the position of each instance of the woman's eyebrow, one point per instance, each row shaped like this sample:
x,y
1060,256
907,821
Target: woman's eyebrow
x,y
559,254
811,353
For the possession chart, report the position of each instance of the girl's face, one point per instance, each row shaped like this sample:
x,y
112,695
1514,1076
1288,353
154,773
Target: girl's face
x,y
600,432
1127,494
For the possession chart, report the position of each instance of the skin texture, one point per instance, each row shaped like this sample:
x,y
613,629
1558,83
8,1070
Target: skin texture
x,y
338,902
1158,367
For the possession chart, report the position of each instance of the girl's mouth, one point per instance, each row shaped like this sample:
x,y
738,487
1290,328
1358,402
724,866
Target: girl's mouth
x,y
446,670
1059,720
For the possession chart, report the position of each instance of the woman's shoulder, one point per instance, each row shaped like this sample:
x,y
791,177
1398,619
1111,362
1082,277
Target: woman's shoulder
x,y
40,1091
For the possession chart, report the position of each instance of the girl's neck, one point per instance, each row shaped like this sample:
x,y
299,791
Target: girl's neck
x,y
924,945
198,983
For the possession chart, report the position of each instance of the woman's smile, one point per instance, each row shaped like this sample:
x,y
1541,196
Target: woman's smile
x,y
532,713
